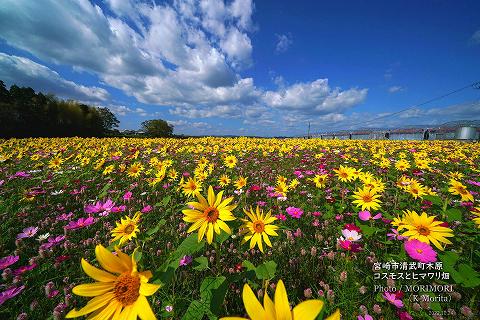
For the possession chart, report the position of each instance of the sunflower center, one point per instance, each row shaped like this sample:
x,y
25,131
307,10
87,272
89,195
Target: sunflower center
x,y
127,289
343,174
367,198
424,231
258,226
211,214
129,229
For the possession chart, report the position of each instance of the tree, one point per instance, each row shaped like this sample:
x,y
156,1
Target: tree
x,y
157,128
109,121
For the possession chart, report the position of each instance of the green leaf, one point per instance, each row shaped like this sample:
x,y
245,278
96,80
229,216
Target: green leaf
x,y
154,230
222,237
201,263
434,200
166,200
367,230
471,278
247,264
449,258
189,246
266,270
195,311
137,255
103,192
208,285
453,215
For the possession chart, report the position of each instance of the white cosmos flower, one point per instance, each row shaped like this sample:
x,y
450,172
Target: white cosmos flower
x,y
351,235
43,237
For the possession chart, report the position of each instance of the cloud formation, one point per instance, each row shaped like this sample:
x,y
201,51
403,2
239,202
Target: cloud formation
x,y
27,73
186,55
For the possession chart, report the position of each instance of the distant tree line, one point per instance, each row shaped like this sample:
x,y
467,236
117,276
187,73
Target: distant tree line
x,y
24,113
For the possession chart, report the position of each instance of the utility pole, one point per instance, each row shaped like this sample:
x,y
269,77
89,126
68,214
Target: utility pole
x,y
308,135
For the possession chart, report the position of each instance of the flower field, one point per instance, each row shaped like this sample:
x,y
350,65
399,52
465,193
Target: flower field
x,y
236,228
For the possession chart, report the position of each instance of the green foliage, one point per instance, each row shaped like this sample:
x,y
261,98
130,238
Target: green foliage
x,y
157,128
24,113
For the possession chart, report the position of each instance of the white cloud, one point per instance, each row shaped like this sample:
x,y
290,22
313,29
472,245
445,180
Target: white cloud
x,y
395,89
314,97
476,37
284,41
25,72
186,56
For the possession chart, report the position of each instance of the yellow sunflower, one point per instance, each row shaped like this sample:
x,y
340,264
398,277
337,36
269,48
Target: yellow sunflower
x,y
477,219
126,229
224,180
458,188
209,216
240,182
279,309
426,229
367,199
230,161
135,169
320,180
120,291
258,227
191,187
344,173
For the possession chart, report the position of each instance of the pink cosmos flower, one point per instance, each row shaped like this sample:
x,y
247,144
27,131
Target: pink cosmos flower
x,y
404,315
420,251
147,208
119,209
80,223
366,317
392,298
65,216
281,216
102,208
10,293
127,196
27,232
395,235
261,203
294,212
24,269
52,241
366,215
474,183
351,235
8,261
316,214
349,245
352,227
185,260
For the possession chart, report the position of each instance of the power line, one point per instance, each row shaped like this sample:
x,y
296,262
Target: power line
x,y
475,85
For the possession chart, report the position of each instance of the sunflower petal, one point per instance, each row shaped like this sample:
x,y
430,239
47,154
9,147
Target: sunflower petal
x,y
147,289
253,307
282,307
93,289
308,310
97,274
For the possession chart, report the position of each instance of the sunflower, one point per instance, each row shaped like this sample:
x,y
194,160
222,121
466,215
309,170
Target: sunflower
x,y
224,180
281,188
280,307
367,199
402,165
426,229
416,189
120,291
134,170
209,216
477,214
344,173
230,161
320,180
55,163
258,227
191,187
126,229
240,182
459,189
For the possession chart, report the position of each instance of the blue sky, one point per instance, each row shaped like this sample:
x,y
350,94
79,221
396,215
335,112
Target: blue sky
x,y
247,67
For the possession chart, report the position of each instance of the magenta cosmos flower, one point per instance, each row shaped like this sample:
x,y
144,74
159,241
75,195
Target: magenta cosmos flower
x,y
102,208
349,245
392,298
80,223
185,260
420,251
294,212
10,293
27,232
366,215
8,261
